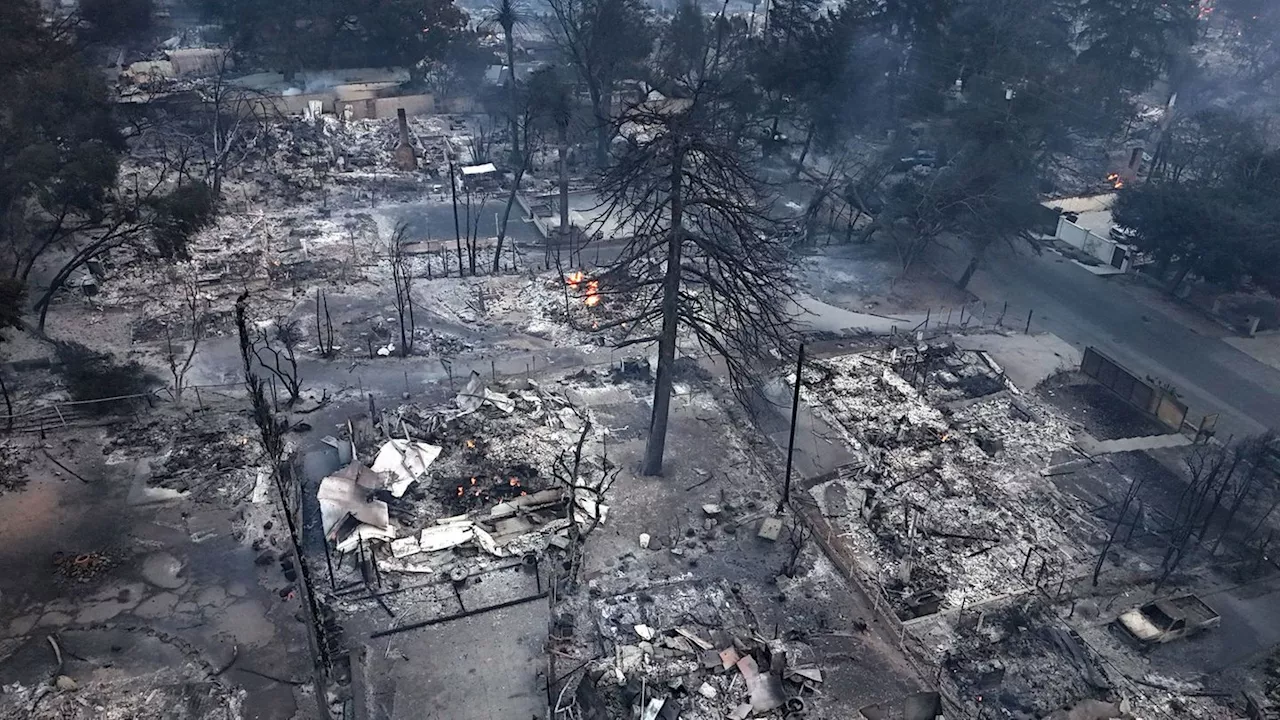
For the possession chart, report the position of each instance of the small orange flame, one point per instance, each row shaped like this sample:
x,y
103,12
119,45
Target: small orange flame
x,y
461,492
593,294
471,443
514,482
473,481
1115,180
573,279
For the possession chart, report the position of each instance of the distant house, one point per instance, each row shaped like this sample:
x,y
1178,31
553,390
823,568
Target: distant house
x,y
1085,224
499,74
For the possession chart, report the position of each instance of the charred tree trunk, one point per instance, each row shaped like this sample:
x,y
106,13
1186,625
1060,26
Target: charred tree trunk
x,y
600,107
1134,485
1236,502
512,98
656,446
969,270
506,217
457,230
1176,282
8,405
562,153
804,153
473,230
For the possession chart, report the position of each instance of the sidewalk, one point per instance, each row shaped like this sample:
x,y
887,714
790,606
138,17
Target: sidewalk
x,y
1264,349
813,315
1093,446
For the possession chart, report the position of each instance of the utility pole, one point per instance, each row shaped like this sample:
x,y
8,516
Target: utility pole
x,y
457,230
791,444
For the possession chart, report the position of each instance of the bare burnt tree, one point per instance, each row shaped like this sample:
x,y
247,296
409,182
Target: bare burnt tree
x,y
824,190
471,229
523,160
127,216
1135,485
270,427
702,255
233,119
324,334
1211,469
402,277
508,14
866,176
605,40
8,404
552,101
276,350
193,313
798,535
1253,453
587,483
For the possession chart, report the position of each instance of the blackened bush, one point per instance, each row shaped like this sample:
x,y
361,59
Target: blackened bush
x,y
117,20
92,375
179,215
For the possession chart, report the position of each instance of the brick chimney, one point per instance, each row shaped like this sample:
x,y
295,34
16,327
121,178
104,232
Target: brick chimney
x,y
405,158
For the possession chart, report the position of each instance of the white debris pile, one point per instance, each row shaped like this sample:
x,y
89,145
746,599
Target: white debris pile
x,y
489,472
278,255
117,696
563,312
660,664
945,500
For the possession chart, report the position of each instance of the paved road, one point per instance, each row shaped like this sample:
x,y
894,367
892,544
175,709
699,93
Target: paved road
x,y
1083,309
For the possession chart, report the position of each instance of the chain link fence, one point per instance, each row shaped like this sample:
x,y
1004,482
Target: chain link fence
x,y
64,414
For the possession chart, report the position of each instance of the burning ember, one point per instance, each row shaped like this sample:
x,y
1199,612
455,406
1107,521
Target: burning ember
x,y
479,489
471,444
591,296
1114,179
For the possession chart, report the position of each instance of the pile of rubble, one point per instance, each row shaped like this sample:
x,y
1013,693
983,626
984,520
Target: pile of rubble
x,y
689,654
503,472
13,463
161,694
567,310
945,495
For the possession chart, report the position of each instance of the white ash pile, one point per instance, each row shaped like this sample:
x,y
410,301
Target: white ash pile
x,y
279,256
113,696
945,497
574,309
685,651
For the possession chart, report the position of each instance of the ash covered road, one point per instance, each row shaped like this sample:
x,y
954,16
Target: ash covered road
x,y
1083,309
